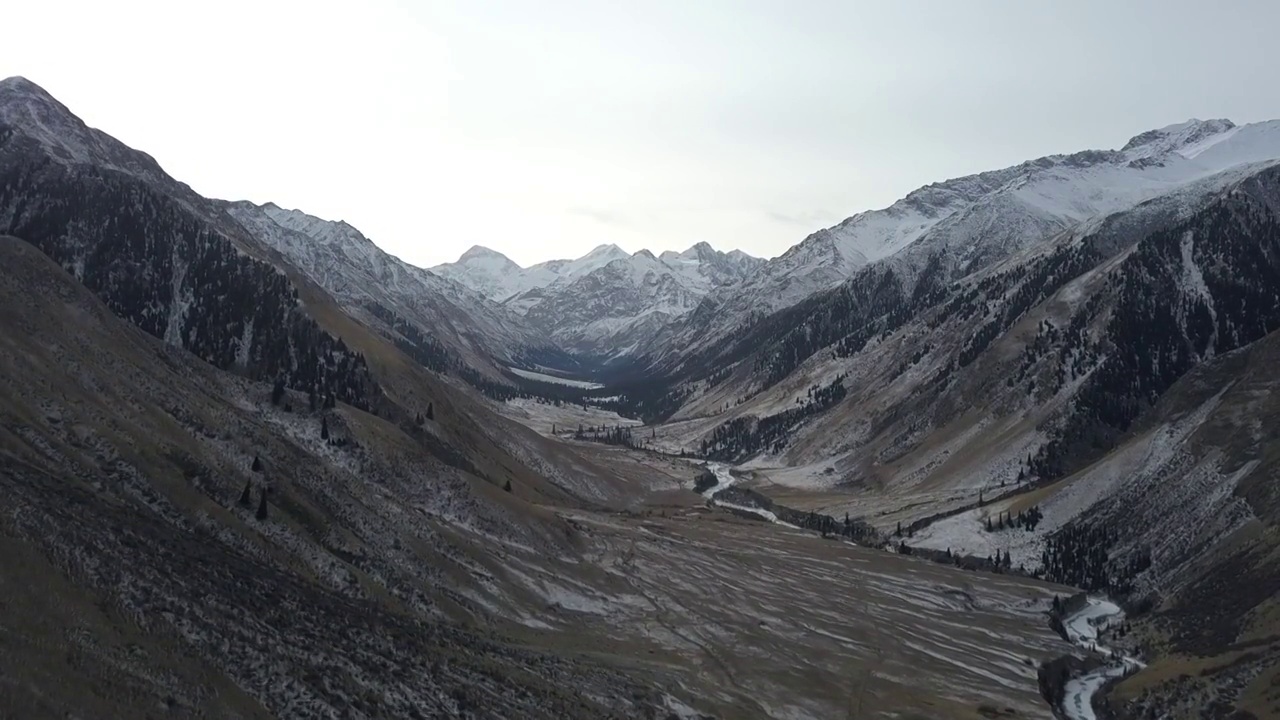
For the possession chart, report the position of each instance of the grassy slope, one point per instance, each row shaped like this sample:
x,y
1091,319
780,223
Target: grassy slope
x,y
1216,630
121,461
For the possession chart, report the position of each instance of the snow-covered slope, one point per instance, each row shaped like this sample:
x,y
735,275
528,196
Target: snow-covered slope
x,y
703,268
607,302
975,221
360,275
498,278
621,306
485,271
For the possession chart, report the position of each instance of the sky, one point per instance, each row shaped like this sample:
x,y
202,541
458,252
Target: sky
x,y
543,129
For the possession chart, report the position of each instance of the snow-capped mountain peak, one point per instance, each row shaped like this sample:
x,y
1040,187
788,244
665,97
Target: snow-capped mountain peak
x,y
592,300
482,254
610,251
1184,138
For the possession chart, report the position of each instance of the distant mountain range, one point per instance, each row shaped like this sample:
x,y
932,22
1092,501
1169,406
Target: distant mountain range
x,y
607,302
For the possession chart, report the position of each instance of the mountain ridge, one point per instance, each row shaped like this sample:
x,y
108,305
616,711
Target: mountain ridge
x,y
1087,339
974,221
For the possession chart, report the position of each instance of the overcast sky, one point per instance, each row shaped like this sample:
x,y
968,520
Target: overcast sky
x,y
542,128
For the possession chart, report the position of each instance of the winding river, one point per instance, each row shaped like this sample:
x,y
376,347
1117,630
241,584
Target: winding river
x,y
1082,630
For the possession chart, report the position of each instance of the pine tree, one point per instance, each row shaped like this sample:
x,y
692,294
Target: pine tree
x,y
507,486
245,497
431,411
257,465
899,531
262,506
324,428
277,391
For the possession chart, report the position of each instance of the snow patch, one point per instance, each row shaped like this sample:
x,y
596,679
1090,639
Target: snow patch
x,y
540,377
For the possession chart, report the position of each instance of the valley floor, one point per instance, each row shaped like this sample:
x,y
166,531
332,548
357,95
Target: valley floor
x,y
742,618
760,620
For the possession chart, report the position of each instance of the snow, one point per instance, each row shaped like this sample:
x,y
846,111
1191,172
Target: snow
x,y
607,300
767,515
992,215
541,416
724,479
1193,284
1082,630
679,710
540,377
1194,149
356,271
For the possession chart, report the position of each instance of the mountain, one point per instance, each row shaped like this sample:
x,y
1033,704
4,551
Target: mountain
x,y
438,321
122,484
970,223
170,364
243,478
227,494
704,268
606,303
485,271
1110,372
384,291
495,276
616,309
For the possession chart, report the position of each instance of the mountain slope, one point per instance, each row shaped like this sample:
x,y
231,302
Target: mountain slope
x,y
495,276
147,245
373,284
1114,375
970,223
606,303
1117,375
123,461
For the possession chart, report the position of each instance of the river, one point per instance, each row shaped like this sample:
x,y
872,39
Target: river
x,y
1082,630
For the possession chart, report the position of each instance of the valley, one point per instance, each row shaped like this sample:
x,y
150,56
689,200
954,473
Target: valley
x,y
255,466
